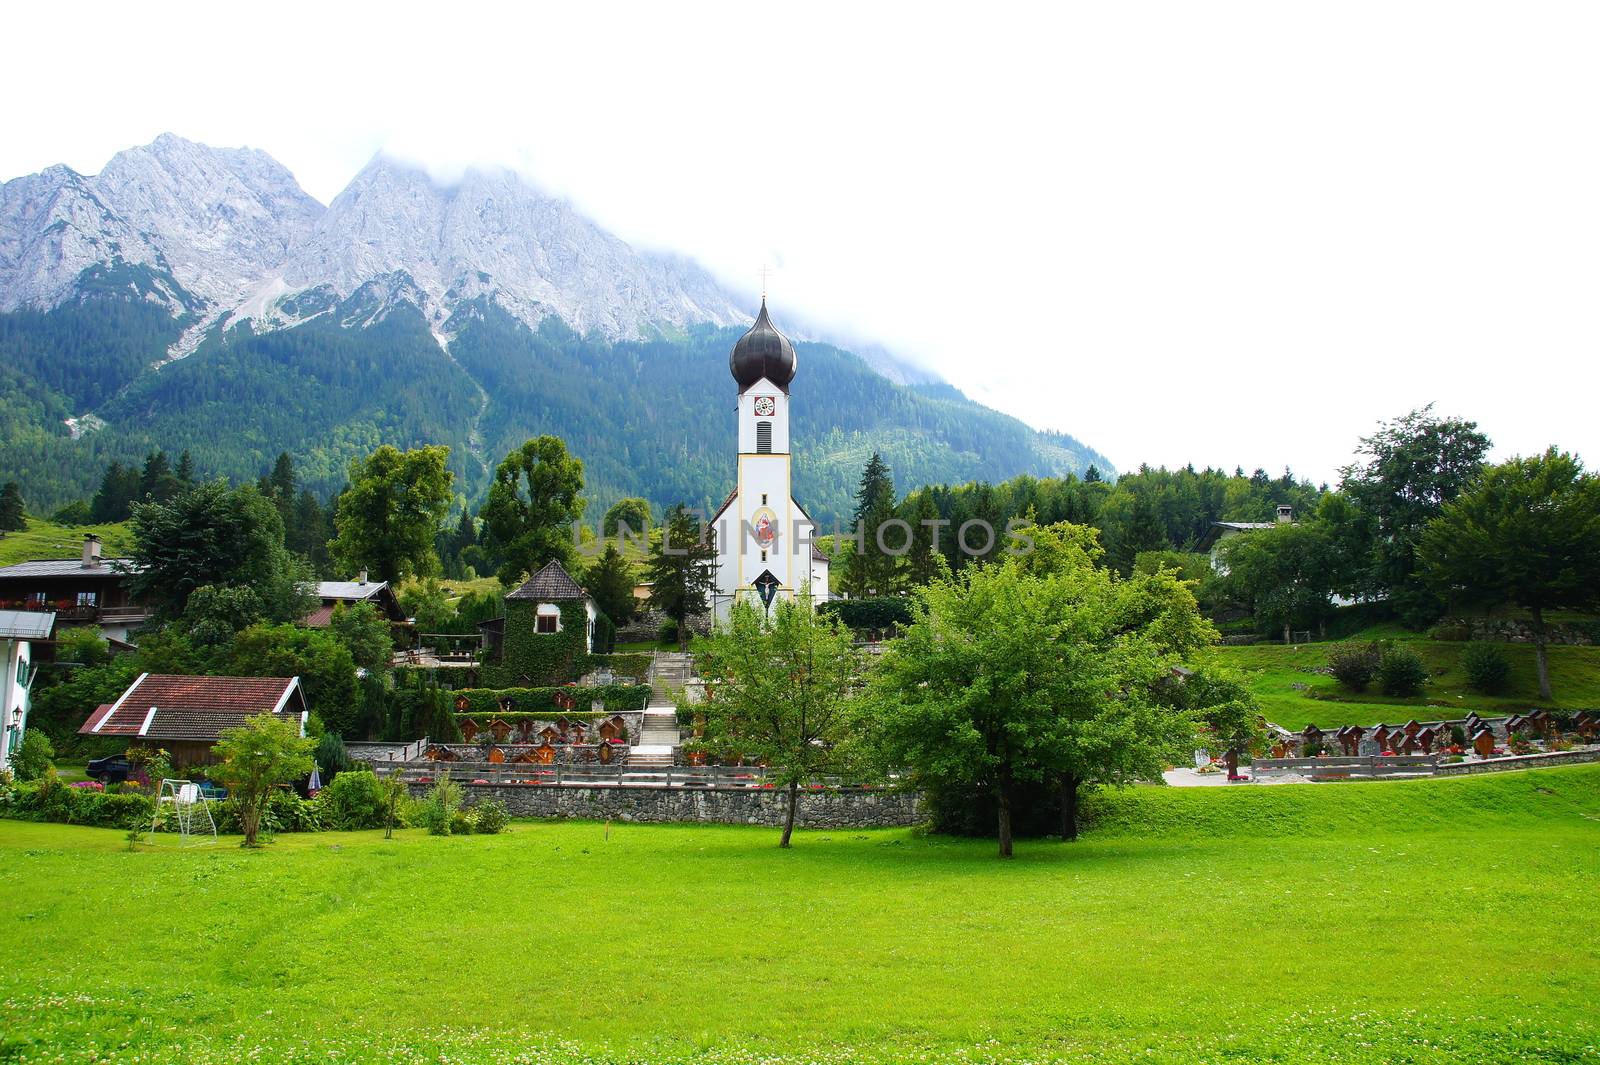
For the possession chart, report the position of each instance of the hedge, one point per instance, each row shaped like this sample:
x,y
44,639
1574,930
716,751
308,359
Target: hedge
x,y
67,805
636,666
870,613
541,702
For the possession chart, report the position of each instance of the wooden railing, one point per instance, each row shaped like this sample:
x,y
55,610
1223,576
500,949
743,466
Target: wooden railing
x,y
124,613
1363,766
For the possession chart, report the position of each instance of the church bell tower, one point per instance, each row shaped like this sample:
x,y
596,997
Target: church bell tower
x,y
761,529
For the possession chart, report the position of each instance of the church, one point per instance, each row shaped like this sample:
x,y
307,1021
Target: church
x,y
764,539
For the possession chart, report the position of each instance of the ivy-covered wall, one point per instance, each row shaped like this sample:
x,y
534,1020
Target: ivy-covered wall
x,y
633,666
533,659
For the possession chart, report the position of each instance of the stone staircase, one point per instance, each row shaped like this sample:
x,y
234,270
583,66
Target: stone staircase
x,y
658,740
669,672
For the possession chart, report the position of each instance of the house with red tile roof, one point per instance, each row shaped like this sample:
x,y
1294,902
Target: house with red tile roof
x,y
186,715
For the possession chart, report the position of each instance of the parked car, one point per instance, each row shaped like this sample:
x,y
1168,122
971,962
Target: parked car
x,y
110,770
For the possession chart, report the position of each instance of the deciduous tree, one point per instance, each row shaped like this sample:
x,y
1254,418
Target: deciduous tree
x,y
388,517
1008,677
534,500
216,535
256,757
365,634
1285,575
322,663
1404,476
632,512
779,691
1527,534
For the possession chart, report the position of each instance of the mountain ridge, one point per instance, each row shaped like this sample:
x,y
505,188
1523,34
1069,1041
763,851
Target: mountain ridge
x,y
127,296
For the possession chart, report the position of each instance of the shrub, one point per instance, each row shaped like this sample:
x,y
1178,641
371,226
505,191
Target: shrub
x,y
352,801
1453,631
47,799
491,817
633,666
1354,665
438,809
668,632
463,823
331,756
1401,672
541,702
284,811
1487,668
870,613
35,755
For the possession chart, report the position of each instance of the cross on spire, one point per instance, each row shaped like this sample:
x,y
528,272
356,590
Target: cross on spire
x,y
764,273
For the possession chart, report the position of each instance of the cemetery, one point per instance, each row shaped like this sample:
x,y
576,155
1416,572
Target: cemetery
x,y
1426,748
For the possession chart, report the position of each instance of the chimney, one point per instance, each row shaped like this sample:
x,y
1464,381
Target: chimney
x,y
363,578
1285,514
91,551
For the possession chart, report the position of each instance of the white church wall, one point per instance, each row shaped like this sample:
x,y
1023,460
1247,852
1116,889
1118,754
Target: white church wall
x,y
748,418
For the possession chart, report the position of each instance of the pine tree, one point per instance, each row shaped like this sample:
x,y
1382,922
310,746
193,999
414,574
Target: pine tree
x,y
610,583
279,488
13,517
870,569
682,570
308,533
157,482
185,470
921,516
118,489
1142,531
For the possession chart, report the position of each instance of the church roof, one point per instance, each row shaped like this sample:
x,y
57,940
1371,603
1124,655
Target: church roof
x,y
763,352
551,583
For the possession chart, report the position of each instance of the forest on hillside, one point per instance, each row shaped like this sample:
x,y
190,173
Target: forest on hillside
x,y
644,416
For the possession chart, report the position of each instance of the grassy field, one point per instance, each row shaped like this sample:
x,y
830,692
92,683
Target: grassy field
x,y
1275,670
42,539
1427,922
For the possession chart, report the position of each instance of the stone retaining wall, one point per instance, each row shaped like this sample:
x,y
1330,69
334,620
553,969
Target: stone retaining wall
x,y
1514,630
831,808
1523,761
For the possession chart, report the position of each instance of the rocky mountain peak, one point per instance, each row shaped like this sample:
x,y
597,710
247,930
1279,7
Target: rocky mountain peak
x,y
220,215
493,231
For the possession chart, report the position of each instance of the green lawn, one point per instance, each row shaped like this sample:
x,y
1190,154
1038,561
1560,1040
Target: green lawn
x,y
1275,670
641,647
42,539
1435,921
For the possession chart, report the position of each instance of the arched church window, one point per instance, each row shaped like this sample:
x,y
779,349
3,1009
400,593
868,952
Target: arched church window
x,y
763,438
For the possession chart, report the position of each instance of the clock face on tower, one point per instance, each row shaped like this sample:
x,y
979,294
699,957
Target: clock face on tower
x,y
764,406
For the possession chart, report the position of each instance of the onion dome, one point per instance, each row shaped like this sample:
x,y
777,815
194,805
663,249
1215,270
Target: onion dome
x,y
763,352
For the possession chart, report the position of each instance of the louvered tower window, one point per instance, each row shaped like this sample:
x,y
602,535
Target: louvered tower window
x,y
763,438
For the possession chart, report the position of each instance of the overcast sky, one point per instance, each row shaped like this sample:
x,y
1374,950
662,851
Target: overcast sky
x,y
1230,234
